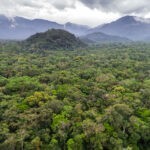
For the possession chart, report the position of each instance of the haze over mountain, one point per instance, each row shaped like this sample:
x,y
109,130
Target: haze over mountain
x,y
99,37
130,27
19,28
76,28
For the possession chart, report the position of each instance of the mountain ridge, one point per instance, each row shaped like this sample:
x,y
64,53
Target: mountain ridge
x,y
99,37
131,27
19,28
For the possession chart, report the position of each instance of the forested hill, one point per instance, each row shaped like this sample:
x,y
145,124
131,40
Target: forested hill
x,y
53,39
99,38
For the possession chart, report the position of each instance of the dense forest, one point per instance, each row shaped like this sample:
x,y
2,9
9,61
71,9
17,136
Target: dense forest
x,y
94,98
53,39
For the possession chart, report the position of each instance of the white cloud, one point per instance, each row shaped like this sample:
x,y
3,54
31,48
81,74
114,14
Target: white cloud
x,y
122,6
86,12
84,15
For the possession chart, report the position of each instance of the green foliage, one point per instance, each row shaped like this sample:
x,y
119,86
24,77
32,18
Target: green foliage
x,y
70,144
92,99
38,99
21,85
3,81
54,39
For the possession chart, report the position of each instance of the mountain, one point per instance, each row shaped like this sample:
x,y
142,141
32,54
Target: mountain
x,y
100,37
54,39
19,28
130,27
134,28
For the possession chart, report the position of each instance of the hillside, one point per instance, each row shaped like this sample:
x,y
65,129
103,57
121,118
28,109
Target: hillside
x,y
19,28
100,37
132,27
53,39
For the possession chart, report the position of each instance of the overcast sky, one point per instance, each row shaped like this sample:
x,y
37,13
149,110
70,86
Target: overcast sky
x,y
89,12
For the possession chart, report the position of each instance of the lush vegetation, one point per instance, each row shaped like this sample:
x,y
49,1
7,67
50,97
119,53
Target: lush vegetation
x,y
93,99
52,39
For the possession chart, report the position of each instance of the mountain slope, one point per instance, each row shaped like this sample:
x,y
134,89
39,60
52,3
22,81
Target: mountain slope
x,y
131,27
19,28
100,37
53,39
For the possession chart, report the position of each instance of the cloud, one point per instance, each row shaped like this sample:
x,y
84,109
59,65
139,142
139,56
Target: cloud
x,y
84,15
90,12
120,6
26,8
32,4
62,4
33,7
